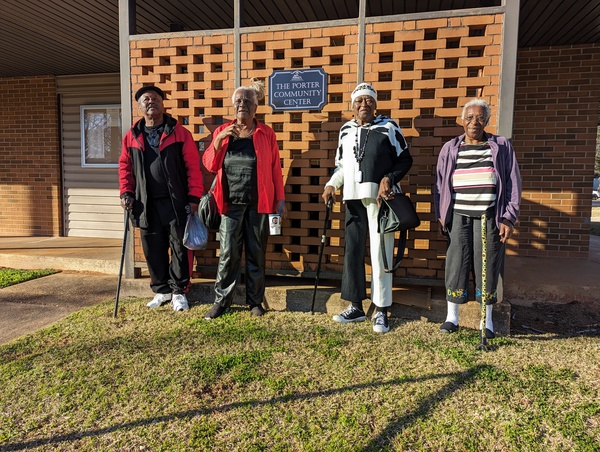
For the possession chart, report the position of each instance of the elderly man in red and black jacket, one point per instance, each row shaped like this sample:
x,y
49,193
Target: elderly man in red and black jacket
x,y
160,183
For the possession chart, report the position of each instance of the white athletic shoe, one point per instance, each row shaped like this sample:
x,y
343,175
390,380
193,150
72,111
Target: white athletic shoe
x,y
159,299
179,302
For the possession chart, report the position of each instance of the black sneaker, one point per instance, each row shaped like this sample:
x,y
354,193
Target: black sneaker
x,y
257,310
216,311
351,314
380,322
448,327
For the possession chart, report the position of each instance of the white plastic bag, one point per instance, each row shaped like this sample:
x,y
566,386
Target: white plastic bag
x,y
195,236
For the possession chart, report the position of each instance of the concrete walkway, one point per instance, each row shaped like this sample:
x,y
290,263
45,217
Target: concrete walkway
x,y
34,304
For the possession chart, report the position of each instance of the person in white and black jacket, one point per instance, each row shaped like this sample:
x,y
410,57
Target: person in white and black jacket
x,y
371,158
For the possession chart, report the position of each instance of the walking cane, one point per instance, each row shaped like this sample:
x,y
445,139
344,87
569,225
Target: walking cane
x,y
126,228
483,345
329,206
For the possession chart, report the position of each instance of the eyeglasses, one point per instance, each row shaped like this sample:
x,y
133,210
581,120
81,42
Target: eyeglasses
x,y
479,119
368,100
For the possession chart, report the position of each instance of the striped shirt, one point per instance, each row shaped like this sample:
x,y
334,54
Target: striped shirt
x,y
474,180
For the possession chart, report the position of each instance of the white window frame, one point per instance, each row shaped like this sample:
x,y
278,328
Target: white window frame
x,y
84,109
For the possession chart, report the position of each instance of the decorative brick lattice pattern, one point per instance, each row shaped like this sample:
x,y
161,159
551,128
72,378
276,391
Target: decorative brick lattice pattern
x,y
424,71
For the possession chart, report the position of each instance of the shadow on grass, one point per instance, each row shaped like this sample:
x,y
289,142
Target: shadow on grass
x,y
459,379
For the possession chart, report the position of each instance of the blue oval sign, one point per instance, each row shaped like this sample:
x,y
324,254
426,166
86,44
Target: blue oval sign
x,y
298,90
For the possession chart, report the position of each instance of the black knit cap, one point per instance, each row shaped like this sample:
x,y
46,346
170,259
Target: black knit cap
x,y
145,89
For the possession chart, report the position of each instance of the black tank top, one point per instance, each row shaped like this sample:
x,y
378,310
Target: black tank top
x,y
239,166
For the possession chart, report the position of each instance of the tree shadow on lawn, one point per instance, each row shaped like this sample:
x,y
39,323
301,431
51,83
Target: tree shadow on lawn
x,y
459,379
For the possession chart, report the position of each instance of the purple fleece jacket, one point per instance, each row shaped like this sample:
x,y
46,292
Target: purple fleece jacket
x,y
508,188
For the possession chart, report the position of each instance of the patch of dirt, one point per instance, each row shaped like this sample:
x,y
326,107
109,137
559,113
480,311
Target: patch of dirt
x,y
574,318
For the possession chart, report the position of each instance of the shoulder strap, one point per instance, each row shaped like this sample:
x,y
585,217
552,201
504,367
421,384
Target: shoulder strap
x,y
399,256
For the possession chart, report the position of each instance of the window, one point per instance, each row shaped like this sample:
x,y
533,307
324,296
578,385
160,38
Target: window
x,y
101,133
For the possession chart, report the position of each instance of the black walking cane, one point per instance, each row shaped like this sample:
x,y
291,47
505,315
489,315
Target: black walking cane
x,y
483,345
329,206
122,260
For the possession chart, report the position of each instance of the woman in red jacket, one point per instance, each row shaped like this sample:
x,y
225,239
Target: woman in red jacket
x,y
245,156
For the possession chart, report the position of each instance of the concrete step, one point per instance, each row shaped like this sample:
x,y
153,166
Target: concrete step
x,y
83,254
288,294
73,263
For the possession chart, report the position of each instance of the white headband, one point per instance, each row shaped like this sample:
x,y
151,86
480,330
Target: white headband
x,y
364,89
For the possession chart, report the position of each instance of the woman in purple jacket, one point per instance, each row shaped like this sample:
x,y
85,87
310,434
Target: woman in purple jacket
x,y
477,177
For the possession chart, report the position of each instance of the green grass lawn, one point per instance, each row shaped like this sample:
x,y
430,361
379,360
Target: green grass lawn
x,y
155,380
10,276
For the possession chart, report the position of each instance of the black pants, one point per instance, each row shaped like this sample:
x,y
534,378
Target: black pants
x,y
360,226
241,227
163,232
464,255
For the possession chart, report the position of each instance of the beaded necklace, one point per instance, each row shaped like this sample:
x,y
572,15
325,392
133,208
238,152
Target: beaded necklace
x,y
359,152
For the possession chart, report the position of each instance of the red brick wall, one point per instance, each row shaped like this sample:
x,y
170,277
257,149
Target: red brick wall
x,y
556,118
30,164
424,71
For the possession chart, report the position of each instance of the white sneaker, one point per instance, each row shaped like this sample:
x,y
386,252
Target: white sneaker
x,y
380,322
159,299
179,302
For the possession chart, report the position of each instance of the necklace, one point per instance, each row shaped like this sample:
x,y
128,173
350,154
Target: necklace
x,y
249,134
359,152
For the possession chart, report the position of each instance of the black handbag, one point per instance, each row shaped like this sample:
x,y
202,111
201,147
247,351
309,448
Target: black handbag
x,y
397,214
208,210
